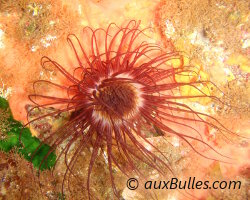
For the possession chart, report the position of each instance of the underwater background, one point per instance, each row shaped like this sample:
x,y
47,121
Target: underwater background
x,y
215,39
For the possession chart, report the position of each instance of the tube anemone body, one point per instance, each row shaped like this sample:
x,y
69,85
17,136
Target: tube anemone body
x,y
121,85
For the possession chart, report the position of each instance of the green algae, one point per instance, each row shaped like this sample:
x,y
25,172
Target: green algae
x,y
20,138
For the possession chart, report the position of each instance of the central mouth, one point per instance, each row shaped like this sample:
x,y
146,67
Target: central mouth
x,y
117,100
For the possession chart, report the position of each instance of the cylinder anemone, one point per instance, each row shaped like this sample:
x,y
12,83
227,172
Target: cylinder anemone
x,y
121,85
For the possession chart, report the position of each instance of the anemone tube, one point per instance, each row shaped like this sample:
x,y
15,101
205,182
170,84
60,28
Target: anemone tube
x,y
122,84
